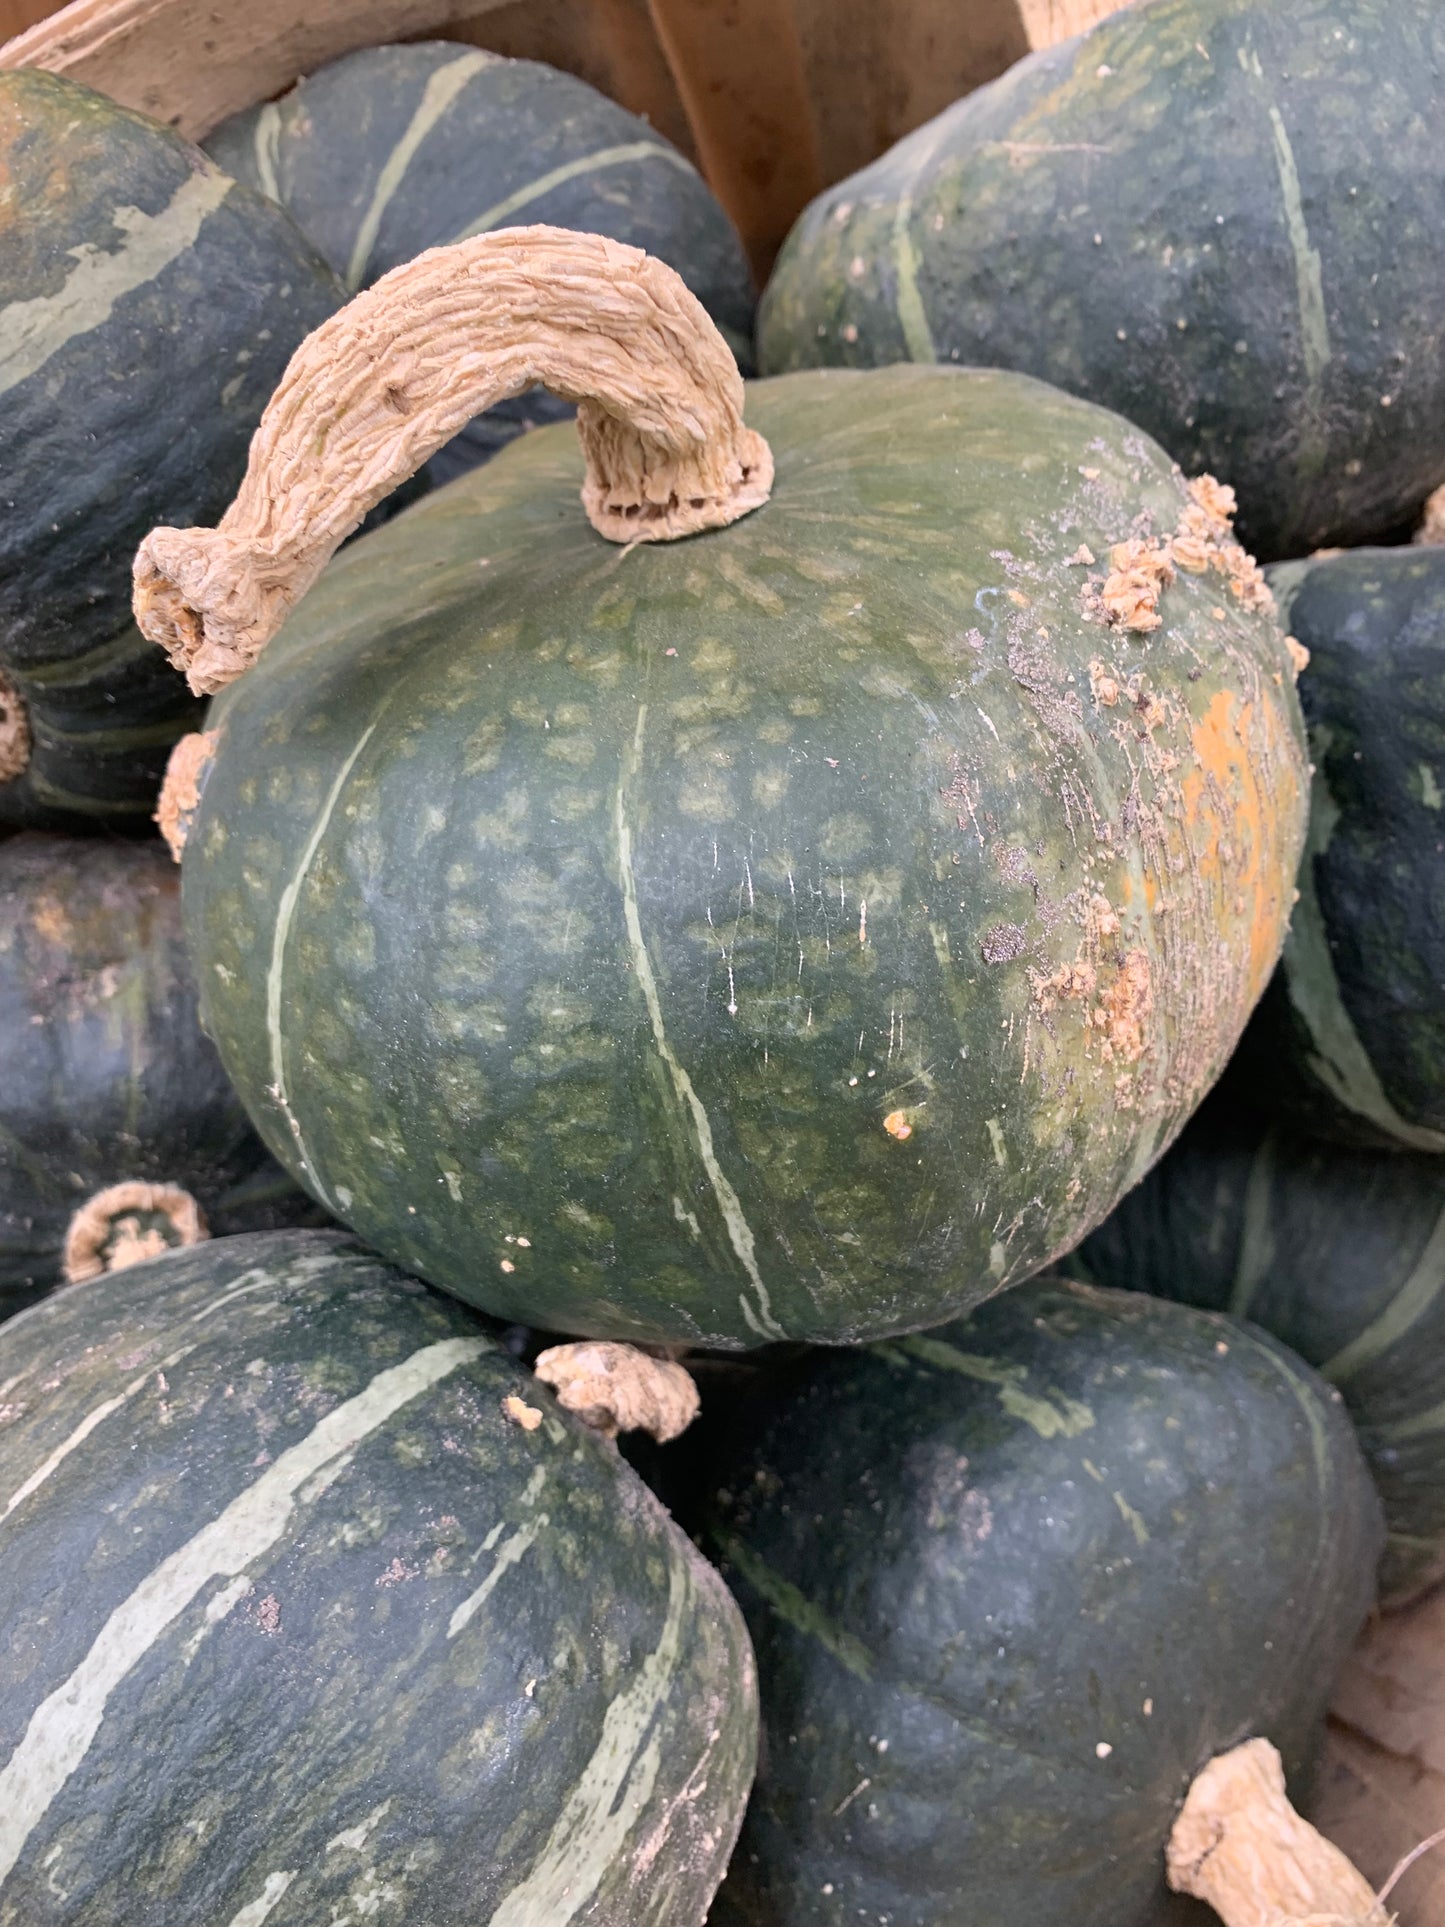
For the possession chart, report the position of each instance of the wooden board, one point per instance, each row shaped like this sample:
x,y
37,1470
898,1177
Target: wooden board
x,y
1382,1790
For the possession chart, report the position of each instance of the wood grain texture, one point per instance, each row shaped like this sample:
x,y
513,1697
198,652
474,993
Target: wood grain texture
x,y
1046,22
1382,1789
739,67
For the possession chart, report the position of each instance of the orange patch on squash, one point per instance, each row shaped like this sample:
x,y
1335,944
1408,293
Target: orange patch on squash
x,y
1230,819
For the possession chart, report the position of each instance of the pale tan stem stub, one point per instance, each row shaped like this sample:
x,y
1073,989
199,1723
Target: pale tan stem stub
x,y
181,791
378,388
109,1231
617,1388
14,732
1239,1845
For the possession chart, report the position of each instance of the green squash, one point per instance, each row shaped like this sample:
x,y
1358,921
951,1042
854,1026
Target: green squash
x,y
148,305
1220,217
107,1075
319,1609
1350,1041
1011,1586
394,149
1341,1254
799,931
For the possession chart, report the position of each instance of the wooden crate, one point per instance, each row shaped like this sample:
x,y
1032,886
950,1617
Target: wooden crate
x,y
775,99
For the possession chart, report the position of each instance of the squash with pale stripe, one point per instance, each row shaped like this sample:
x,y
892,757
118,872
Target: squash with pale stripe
x,y
799,931
107,1075
394,149
1011,1586
318,1608
1340,1253
148,304
1350,1040
1220,217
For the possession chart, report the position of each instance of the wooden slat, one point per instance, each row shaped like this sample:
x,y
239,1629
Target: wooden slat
x,y
739,70
195,62
877,71
1046,22
1382,1789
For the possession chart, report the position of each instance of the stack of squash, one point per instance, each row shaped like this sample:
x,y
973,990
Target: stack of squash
x,y
769,909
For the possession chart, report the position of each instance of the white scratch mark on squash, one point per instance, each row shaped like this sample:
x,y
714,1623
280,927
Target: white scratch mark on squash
x,y
353,1839
64,1725
285,910
501,212
83,1431
269,1898
613,1790
508,1553
1314,325
266,150
437,97
740,1234
36,330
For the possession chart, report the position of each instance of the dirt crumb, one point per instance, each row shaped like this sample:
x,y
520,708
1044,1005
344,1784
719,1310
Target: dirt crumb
x,y
1299,656
1431,531
1125,1008
521,1413
617,1388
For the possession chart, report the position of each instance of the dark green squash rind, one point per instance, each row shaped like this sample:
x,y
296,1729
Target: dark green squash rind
x,y
1350,1041
107,1073
651,943
147,309
1220,217
341,1638
392,150
1011,1584
1341,1255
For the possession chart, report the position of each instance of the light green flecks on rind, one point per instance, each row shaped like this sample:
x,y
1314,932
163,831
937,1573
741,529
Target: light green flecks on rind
x,y
739,1231
500,213
83,1430
267,149
1314,326
38,329
270,1897
75,671
797,1609
1417,1295
1339,1058
615,1786
64,1724
286,909
1256,1235
508,1553
912,315
438,96
1050,1414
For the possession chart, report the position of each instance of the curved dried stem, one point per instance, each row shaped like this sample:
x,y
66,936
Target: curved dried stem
x,y
378,388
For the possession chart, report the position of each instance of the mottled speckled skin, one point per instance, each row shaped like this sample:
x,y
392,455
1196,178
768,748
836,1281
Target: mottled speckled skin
x,y
684,911
105,1072
1350,1041
1341,1254
970,1561
1220,217
451,1673
133,368
392,150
